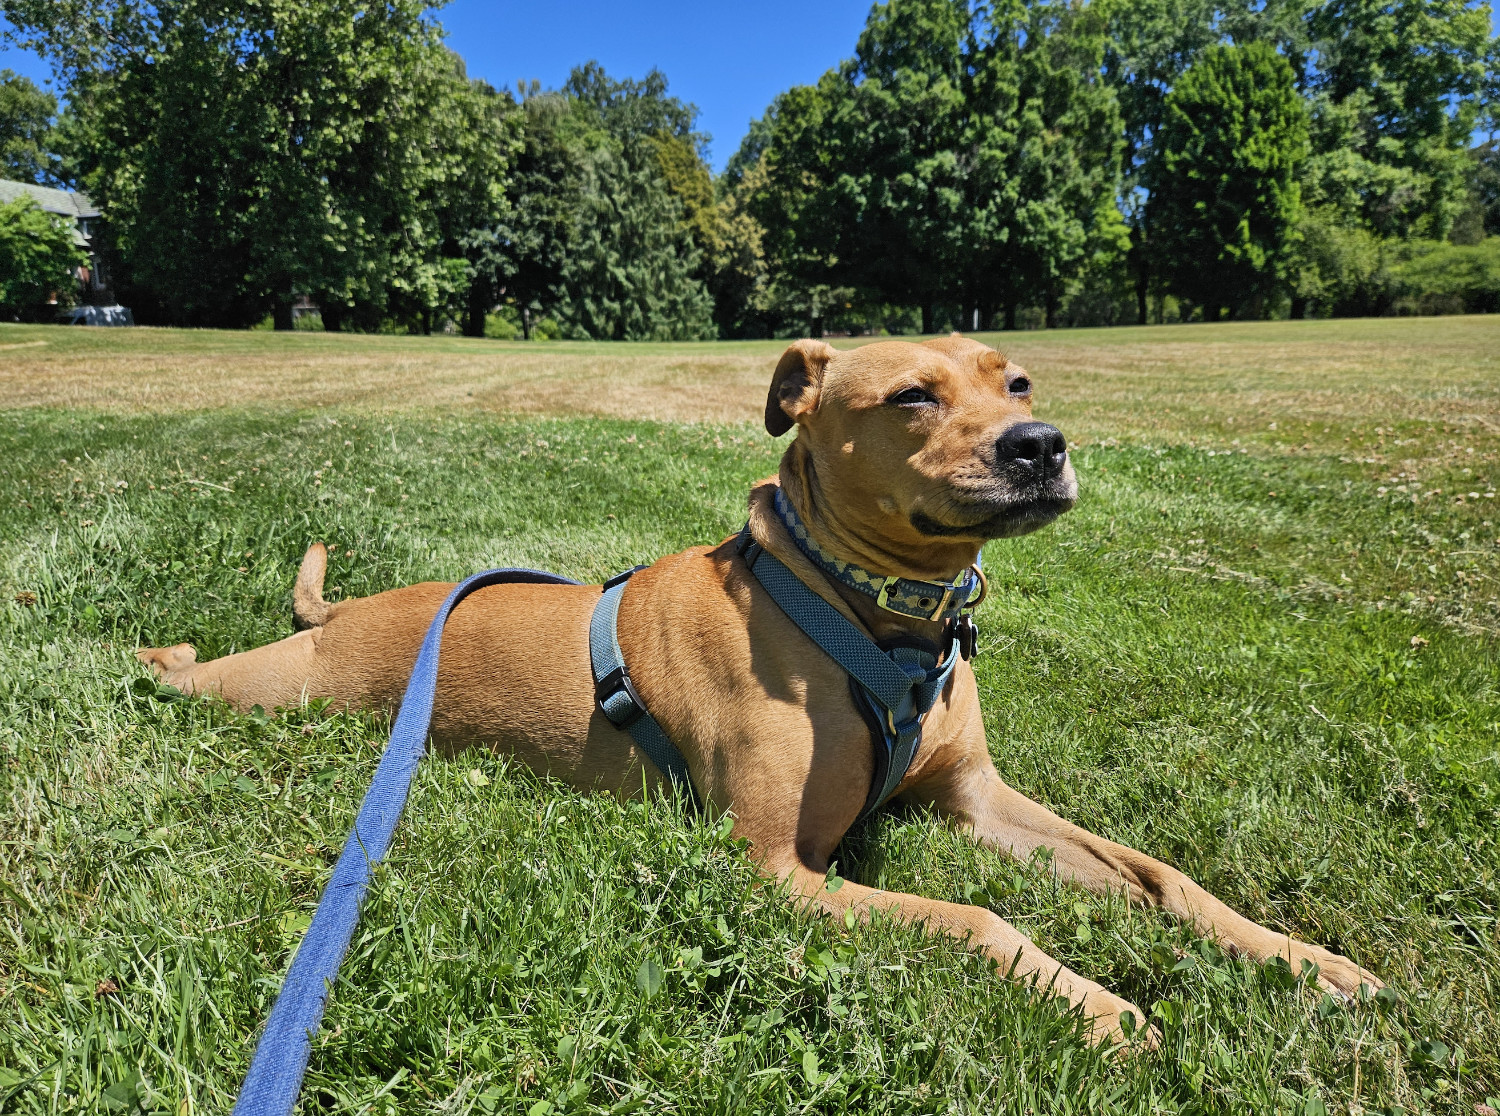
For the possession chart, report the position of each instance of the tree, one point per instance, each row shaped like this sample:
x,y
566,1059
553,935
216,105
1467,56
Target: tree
x,y
38,259
629,269
1223,178
1044,129
1485,185
26,114
965,158
633,267
1396,96
521,256
251,153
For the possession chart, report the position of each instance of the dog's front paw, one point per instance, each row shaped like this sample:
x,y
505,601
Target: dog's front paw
x,y
1337,975
165,660
1106,1013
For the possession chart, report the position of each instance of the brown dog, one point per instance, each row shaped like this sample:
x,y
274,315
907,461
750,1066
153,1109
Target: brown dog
x,y
907,458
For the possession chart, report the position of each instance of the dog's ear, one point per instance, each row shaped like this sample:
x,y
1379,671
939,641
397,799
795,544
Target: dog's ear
x,y
795,384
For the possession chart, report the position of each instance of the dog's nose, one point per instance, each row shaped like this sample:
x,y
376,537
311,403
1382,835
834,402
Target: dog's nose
x,y
1036,447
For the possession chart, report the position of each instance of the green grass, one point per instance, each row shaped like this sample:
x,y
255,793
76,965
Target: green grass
x,y
1228,679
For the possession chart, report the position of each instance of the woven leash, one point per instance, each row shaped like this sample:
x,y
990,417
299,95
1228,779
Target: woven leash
x,y
276,1070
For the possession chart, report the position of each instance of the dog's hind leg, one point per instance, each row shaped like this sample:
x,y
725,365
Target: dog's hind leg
x,y
280,674
277,675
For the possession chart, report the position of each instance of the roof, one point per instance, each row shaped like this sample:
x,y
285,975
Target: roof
x,y
63,202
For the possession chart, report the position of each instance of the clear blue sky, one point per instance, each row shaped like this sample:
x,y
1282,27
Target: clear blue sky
x,y
729,59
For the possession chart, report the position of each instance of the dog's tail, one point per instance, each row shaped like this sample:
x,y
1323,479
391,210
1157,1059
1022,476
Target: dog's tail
x,y
309,609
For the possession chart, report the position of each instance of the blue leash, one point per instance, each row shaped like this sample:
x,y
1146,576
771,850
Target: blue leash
x,y
275,1077
898,685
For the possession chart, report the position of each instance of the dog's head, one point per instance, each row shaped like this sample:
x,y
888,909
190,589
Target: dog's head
x,y
926,443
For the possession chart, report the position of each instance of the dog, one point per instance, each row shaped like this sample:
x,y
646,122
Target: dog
x,y
907,459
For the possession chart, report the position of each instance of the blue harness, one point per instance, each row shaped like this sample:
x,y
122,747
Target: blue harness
x,y
894,686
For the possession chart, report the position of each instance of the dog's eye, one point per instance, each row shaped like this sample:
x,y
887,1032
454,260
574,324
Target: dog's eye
x,y
911,397
1019,386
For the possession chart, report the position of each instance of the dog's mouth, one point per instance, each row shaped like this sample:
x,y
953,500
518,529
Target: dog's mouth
x,y
999,518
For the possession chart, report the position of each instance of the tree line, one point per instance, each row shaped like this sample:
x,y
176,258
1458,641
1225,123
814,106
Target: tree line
x,y
973,165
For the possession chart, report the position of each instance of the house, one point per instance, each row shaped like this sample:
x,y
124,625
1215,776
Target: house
x,y
94,288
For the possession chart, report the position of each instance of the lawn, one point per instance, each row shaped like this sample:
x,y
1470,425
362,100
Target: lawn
x,y
1263,648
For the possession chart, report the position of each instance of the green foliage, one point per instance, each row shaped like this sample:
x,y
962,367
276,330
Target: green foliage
x,y
1485,186
1437,278
962,156
1393,93
521,256
1339,268
1021,162
248,155
38,259
609,209
629,273
1224,191
1048,148
26,135
1401,81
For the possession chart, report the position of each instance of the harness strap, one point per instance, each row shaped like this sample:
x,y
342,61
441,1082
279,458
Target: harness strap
x,y
901,685
616,694
275,1076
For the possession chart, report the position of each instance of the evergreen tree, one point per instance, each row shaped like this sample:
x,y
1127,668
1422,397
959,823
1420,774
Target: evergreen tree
x,y
628,275
1223,178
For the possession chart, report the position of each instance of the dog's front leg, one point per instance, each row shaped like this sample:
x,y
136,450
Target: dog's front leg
x,y
972,795
982,931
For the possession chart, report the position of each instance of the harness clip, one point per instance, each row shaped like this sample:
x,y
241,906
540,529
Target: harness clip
x,y
966,633
617,699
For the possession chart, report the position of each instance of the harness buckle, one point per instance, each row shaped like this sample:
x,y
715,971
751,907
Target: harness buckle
x,y
608,692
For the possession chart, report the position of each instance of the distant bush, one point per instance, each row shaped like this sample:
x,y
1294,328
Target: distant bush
x,y
1434,277
37,261
504,324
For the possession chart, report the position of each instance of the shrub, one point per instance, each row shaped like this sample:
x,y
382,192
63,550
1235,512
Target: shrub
x,y
37,260
1433,277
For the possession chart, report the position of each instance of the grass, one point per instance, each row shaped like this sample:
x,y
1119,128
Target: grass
x,y
1267,655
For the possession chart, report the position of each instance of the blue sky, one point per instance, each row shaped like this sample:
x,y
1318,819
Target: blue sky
x,y
729,59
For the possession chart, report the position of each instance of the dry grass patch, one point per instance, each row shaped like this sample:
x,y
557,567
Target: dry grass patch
x,y
1383,392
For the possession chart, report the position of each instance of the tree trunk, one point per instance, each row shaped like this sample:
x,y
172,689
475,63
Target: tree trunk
x,y
927,316
333,318
1299,308
1010,314
281,316
474,312
1142,288
1051,308
525,323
